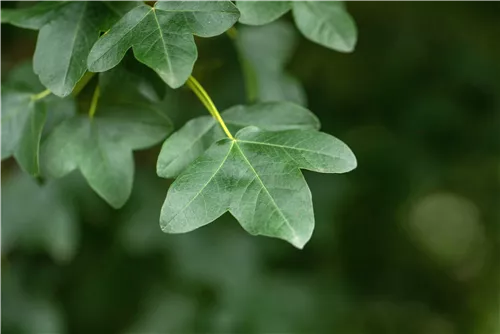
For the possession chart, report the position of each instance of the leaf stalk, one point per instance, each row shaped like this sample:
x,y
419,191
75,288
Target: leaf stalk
x,y
82,83
203,96
39,96
247,69
93,103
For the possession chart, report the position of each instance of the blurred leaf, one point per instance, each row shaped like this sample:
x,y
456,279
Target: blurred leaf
x,y
33,17
257,178
326,23
49,224
24,117
261,12
164,312
19,114
267,50
196,136
102,148
67,31
18,305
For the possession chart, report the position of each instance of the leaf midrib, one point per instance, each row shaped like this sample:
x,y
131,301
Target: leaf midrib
x,y
266,190
82,15
169,65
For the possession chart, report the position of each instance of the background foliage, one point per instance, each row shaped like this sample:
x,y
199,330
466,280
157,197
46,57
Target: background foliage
x,y
407,243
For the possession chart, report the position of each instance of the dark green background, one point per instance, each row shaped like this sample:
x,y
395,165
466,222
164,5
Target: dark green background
x,y
406,243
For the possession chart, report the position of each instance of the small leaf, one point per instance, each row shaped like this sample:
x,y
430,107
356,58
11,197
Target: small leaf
x,y
16,109
102,147
27,151
187,144
326,23
23,119
22,125
256,178
261,12
162,36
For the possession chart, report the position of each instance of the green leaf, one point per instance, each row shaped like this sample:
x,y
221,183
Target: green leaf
x,y
65,41
257,178
323,22
267,50
23,119
22,125
326,23
162,36
261,12
187,144
61,45
101,148
50,223
27,150
33,17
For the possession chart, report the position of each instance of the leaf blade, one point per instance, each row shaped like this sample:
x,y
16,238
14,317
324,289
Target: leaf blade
x,y
326,23
64,43
162,37
27,152
261,12
259,182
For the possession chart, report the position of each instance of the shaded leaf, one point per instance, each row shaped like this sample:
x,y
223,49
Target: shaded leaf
x,y
23,118
49,224
257,178
187,144
326,23
22,124
267,50
68,29
261,12
162,36
102,150
323,22
33,17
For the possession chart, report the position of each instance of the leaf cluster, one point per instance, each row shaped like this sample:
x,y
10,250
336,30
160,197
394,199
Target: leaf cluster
x,y
253,174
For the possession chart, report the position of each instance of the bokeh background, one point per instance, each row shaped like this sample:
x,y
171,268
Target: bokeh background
x,y
406,243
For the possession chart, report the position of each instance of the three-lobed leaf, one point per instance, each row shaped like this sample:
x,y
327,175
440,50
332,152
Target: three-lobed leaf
x,y
257,178
324,22
197,135
162,36
102,149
